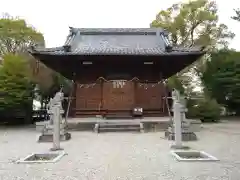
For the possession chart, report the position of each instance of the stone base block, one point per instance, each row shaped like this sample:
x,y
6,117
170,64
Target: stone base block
x,y
189,136
142,128
49,138
40,126
50,131
96,128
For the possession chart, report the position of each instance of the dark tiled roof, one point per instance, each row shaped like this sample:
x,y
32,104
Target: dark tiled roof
x,y
109,41
115,51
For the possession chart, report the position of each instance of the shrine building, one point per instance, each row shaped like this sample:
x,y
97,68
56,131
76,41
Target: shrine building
x,y
117,70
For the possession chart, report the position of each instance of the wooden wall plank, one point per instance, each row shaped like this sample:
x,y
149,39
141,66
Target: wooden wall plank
x,y
118,98
149,95
88,97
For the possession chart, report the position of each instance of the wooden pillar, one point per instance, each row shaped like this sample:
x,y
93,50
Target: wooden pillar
x,y
102,100
72,111
135,93
73,96
73,102
162,92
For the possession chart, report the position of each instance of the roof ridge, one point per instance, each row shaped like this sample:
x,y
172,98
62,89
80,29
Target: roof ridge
x,y
116,30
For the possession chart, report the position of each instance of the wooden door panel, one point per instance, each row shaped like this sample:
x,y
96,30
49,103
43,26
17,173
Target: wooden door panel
x,y
149,96
88,97
121,98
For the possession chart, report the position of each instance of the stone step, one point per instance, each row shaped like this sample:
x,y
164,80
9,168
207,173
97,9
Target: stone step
x,y
100,127
118,116
123,124
114,129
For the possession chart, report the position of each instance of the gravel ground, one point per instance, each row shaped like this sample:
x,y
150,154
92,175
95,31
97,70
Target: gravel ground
x,y
122,156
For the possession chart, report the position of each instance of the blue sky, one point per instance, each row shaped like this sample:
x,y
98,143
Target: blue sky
x,y
53,17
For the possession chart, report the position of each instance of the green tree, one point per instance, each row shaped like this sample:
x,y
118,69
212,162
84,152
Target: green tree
x,y
194,23
58,82
189,24
237,15
221,78
16,36
15,87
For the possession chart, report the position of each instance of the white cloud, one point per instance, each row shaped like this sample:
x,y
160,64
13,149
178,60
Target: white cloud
x,y
52,17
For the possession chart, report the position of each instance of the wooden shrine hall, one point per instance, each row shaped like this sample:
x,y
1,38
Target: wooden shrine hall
x,y
117,71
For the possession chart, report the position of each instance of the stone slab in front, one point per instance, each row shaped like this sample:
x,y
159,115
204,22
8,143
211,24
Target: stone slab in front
x,y
42,158
192,155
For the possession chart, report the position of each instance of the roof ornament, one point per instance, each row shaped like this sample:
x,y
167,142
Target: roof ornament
x,y
168,46
202,48
73,31
32,48
67,48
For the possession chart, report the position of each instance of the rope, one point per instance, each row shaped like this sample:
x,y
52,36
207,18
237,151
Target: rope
x,y
133,79
102,78
105,80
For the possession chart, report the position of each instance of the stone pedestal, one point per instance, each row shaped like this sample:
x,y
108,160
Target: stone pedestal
x,y
187,132
46,130
49,137
188,136
181,129
54,130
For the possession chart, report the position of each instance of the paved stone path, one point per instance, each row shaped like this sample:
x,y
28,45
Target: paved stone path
x,y
122,156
